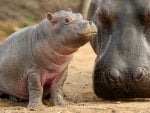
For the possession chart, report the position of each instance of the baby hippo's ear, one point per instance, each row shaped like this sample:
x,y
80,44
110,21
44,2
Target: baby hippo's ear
x,y
51,18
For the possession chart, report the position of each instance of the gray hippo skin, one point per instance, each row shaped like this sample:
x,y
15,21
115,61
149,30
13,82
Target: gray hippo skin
x,y
122,45
34,60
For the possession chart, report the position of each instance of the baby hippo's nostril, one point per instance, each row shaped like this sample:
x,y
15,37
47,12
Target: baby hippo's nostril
x,y
113,74
138,74
90,22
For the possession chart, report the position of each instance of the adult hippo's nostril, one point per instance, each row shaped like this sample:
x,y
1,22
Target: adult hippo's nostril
x,y
108,84
113,74
139,72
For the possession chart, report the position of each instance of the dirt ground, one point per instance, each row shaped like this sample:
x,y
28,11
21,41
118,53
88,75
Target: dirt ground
x,y
79,93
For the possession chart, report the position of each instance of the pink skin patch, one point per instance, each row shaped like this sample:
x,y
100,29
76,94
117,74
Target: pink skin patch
x,y
48,79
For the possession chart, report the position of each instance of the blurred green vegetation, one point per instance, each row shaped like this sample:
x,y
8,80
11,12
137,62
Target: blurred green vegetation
x,y
10,28
28,21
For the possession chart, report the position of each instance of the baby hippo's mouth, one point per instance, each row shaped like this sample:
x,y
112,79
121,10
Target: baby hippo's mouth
x,y
82,34
88,31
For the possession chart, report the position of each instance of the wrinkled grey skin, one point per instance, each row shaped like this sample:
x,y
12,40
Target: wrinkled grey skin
x,y
122,45
34,60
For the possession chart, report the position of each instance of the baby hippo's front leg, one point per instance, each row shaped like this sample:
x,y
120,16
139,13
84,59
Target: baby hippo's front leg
x,y
35,92
57,96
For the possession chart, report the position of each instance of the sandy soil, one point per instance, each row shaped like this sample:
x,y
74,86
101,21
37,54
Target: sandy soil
x,y
78,91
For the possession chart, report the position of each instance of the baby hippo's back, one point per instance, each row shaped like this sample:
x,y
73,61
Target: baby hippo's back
x,y
15,55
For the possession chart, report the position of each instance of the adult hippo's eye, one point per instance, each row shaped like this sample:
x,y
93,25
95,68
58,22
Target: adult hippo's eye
x,y
105,18
147,20
68,20
144,18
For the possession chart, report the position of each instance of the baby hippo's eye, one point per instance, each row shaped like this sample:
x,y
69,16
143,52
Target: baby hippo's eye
x,y
68,20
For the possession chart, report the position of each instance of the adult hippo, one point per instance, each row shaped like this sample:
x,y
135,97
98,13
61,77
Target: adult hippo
x,y
122,45
34,60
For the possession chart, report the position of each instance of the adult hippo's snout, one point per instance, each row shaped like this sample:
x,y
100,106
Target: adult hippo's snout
x,y
123,69
113,83
122,45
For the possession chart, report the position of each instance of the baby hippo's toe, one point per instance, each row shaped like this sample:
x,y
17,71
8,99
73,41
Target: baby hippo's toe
x,y
59,101
36,107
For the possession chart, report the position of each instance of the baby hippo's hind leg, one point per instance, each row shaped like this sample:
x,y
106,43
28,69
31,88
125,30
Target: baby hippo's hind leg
x,y
3,95
15,99
6,96
11,98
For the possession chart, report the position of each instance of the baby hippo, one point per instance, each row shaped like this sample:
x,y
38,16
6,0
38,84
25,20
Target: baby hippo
x,y
34,60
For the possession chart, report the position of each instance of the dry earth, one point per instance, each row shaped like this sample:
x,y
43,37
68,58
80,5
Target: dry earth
x,y
78,91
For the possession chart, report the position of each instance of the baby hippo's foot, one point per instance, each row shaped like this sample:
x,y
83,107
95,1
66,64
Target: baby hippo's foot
x,y
15,99
1,94
36,106
59,101
11,98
